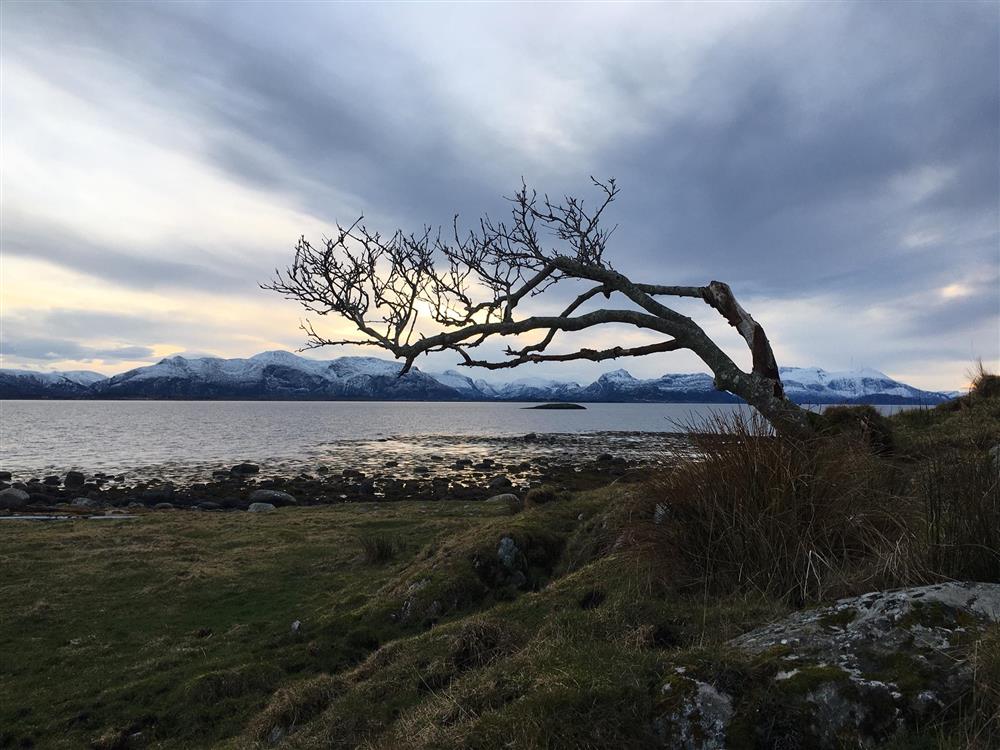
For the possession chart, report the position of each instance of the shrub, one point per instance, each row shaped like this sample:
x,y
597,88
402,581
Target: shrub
x,y
863,422
761,513
378,548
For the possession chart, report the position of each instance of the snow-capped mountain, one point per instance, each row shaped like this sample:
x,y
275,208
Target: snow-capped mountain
x,y
273,375
31,384
282,375
805,384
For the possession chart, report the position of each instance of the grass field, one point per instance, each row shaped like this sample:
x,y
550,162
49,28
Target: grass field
x,y
175,630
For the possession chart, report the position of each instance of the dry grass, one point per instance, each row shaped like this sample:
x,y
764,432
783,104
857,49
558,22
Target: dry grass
x,y
292,706
787,520
958,527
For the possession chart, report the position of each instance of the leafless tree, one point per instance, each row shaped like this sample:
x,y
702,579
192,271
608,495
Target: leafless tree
x,y
470,284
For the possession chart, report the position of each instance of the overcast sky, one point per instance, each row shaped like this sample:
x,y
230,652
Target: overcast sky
x,y
836,163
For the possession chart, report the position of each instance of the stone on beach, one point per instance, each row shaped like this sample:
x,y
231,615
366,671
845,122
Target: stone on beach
x,y
76,479
260,508
13,498
244,469
274,497
499,482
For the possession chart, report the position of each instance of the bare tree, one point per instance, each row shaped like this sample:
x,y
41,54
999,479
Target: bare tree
x,y
470,284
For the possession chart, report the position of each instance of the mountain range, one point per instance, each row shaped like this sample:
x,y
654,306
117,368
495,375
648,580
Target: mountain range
x,y
280,375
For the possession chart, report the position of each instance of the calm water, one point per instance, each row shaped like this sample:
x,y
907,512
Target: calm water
x,y
193,437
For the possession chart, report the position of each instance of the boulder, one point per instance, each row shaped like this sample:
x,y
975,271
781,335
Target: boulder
x,y
244,470
5,476
274,497
76,479
159,494
851,674
163,506
260,508
208,505
499,482
13,498
84,502
506,497
52,481
352,474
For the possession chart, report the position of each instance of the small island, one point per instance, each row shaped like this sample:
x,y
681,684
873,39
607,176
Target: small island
x,y
556,406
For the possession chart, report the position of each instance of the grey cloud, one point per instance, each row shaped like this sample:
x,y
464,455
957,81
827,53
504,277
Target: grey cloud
x,y
777,168
151,269
47,349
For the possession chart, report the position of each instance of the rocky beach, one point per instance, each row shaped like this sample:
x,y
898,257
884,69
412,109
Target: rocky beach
x,y
387,469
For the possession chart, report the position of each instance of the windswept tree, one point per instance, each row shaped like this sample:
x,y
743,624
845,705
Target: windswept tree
x,y
471,284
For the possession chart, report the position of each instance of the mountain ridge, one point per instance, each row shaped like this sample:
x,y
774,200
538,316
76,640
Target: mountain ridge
x,y
282,375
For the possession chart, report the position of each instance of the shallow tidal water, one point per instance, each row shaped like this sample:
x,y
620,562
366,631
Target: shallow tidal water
x,y
188,439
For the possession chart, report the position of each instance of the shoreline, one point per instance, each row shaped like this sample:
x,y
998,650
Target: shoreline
x,y
385,469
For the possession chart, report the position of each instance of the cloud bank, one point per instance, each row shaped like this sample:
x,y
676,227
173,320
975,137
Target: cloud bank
x,y
835,163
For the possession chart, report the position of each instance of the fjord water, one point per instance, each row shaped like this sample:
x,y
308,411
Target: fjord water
x,y
126,436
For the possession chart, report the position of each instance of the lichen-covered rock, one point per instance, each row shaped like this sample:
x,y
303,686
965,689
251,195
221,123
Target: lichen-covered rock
x,y
699,717
852,674
865,667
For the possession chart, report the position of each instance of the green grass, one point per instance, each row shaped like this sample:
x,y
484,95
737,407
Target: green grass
x,y
178,626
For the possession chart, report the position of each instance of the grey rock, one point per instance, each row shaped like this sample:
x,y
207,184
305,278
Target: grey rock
x,y
499,482
260,508
162,493
876,662
352,474
274,497
75,479
13,498
84,502
510,556
505,499
244,469
699,722
5,476
52,481
163,506
208,505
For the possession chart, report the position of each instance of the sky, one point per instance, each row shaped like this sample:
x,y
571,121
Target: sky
x,y
838,164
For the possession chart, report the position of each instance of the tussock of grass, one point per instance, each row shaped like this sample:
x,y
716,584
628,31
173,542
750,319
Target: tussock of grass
x,y
378,548
765,514
292,706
